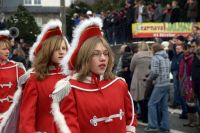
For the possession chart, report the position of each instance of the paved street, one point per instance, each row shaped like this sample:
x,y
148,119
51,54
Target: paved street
x,y
176,124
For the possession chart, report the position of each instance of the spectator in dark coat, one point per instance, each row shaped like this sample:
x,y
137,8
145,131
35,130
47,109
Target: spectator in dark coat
x,y
130,18
192,10
175,16
126,60
177,57
196,77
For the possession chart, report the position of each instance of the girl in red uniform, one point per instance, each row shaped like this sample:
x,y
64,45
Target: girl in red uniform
x,y
94,100
46,53
11,80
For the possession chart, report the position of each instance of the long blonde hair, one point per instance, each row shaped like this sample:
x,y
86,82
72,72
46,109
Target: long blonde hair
x,y
143,46
85,54
43,57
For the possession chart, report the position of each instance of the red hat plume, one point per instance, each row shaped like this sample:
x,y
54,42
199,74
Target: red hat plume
x,y
86,29
52,28
4,34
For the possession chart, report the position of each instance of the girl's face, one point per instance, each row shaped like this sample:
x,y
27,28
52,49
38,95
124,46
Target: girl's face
x,y
99,59
59,53
4,52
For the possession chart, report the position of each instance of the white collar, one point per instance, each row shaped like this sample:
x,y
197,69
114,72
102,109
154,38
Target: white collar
x,y
88,79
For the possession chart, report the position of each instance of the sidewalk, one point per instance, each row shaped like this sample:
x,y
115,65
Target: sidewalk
x,y
176,124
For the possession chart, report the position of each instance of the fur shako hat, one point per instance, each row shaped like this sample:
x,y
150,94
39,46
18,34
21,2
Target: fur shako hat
x,y
86,29
4,35
52,28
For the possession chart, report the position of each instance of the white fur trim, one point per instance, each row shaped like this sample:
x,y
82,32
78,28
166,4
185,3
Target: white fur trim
x,y
59,118
130,129
133,110
50,25
4,33
7,114
76,35
62,88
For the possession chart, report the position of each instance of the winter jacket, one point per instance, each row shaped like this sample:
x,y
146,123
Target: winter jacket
x,y
160,69
176,61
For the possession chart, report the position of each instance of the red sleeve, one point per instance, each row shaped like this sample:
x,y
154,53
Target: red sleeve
x,y
68,109
181,69
131,121
28,108
21,72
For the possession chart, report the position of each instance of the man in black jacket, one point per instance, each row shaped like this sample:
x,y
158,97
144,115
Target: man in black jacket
x,y
196,77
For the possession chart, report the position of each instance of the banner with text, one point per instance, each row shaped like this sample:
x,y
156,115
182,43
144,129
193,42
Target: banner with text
x,y
164,30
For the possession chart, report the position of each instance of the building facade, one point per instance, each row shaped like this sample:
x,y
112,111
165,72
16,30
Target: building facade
x,y
42,10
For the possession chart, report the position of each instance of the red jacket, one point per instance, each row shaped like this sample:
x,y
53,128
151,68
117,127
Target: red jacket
x,y
35,112
9,76
105,100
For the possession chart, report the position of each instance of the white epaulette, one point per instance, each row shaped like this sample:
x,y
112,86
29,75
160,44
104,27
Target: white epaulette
x,y
24,77
20,65
62,89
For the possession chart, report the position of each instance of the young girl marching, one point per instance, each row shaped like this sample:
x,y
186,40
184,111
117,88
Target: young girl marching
x,y
94,100
45,54
12,76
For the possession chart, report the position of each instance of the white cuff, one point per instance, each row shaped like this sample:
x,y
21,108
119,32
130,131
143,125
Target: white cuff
x,y
130,129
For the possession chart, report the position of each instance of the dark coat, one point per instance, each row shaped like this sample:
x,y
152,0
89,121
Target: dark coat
x,y
175,16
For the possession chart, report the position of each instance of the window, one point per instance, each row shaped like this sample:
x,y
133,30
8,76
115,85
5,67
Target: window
x,y
27,2
32,2
37,2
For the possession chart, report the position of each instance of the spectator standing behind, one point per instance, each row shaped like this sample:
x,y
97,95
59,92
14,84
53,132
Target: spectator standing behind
x,y
19,56
185,77
158,12
158,102
180,40
89,14
126,60
118,69
167,13
141,14
75,19
93,100
130,18
140,67
177,57
151,12
194,44
196,78
192,10
175,16
46,54
12,77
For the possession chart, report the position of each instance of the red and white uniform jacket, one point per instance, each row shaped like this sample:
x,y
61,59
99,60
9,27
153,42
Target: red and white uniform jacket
x,y
11,80
35,111
94,106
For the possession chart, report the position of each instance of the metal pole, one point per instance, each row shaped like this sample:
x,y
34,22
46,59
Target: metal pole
x,y
63,16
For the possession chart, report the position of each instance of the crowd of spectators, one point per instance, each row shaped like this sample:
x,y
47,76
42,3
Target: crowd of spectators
x,y
184,55
117,23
